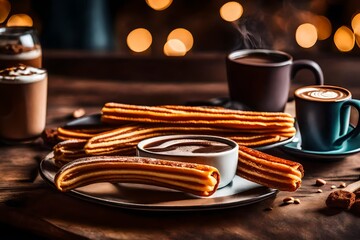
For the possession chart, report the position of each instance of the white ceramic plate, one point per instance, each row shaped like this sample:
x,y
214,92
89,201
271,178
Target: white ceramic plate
x,y
239,192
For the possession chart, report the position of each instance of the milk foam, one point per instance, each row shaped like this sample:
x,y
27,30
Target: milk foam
x,y
323,93
22,74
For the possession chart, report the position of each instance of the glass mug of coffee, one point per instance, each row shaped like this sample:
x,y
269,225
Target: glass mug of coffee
x,y
23,100
260,79
323,115
19,45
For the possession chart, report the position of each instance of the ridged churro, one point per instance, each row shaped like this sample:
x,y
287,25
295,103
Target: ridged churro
x,y
196,116
197,179
64,133
69,150
269,171
114,142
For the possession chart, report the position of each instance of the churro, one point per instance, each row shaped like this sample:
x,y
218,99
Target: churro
x,y
197,179
64,133
69,150
196,116
114,142
269,171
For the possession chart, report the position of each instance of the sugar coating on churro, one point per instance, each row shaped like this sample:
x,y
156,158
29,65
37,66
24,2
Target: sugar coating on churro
x,y
197,179
269,170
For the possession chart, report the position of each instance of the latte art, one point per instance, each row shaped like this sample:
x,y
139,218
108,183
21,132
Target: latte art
x,y
323,93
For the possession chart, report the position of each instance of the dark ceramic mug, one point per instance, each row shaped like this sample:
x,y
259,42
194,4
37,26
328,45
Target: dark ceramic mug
x,y
323,116
261,79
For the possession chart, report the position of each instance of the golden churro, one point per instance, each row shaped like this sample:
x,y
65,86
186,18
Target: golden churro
x,y
114,142
197,179
64,133
69,150
193,116
268,170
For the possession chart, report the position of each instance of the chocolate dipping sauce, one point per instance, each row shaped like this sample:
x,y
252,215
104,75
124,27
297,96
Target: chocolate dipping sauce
x,y
187,146
23,97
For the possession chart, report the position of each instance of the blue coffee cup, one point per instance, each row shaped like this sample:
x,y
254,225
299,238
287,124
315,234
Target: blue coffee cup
x,y
323,115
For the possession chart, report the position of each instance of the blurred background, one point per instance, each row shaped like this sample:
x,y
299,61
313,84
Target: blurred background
x,y
180,27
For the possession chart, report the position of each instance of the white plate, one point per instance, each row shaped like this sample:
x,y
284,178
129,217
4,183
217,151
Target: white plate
x,y
239,192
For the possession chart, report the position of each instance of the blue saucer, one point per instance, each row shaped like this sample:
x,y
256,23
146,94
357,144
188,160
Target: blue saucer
x,y
350,147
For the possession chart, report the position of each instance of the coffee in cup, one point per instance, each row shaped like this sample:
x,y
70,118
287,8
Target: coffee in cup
x,y
23,97
260,79
323,115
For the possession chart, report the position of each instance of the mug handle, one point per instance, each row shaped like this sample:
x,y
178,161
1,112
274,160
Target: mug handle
x,y
353,133
312,66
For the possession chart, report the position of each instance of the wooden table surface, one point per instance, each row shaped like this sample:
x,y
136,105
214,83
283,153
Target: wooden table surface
x,y
30,208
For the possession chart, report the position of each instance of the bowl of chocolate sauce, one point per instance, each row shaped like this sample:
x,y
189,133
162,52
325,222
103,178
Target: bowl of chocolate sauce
x,y
219,152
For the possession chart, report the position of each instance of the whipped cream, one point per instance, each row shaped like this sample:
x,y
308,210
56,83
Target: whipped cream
x,y
22,74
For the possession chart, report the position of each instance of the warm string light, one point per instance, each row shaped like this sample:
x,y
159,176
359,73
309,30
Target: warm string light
x,y
175,48
355,24
5,8
344,39
323,27
184,36
231,11
306,35
139,40
159,5
180,40
23,20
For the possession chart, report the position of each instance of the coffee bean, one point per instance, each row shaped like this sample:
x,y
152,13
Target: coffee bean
x,y
320,182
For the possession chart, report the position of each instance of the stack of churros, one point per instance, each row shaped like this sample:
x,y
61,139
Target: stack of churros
x,y
124,126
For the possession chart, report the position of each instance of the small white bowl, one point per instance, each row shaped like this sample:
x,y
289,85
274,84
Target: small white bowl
x,y
223,155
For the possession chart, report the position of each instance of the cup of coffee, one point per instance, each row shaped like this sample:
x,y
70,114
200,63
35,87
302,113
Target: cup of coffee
x,y
221,153
260,79
19,45
23,98
323,115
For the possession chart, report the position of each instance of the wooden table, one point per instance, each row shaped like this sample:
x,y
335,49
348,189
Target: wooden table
x,y
31,208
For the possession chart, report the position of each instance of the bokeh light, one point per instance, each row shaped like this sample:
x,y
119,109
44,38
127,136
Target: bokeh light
x,y
22,20
174,47
159,5
5,8
231,11
344,39
184,36
323,26
355,23
306,35
139,40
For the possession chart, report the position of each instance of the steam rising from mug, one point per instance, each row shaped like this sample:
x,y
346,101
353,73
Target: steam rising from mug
x,y
250,36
